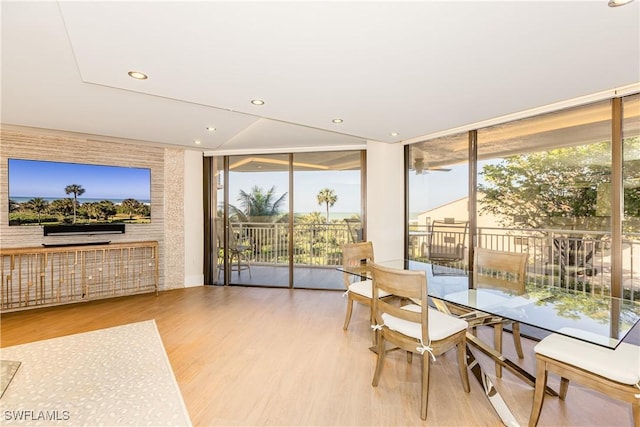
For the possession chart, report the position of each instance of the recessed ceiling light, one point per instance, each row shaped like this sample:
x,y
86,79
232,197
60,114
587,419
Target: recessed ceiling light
x,y
197,142
394,134
138,75
211,129
257,102
616,3
337,120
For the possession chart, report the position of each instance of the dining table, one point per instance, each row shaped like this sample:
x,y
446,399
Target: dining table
x,y
595,318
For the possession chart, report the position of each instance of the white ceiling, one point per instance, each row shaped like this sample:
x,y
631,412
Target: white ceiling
x,y
415,68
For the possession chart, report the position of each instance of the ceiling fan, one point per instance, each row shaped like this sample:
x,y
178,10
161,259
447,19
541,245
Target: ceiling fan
x,y
418,166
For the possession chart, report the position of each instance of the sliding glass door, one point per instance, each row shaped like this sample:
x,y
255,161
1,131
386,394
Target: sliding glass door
x,y
327,213
257,220
281,219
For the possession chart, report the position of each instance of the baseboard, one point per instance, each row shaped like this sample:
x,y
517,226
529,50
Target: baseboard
x,y
194,281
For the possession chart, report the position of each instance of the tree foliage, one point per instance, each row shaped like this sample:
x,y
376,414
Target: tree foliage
x,y
328,197
258,205
562,187
77,191
38,205
132,207
63,207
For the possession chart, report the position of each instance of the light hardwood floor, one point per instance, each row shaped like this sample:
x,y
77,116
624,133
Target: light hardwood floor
x,y
260,356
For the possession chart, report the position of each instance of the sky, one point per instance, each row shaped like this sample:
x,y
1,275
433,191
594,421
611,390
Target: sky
x,y
426,191
436,188
32,178
307,185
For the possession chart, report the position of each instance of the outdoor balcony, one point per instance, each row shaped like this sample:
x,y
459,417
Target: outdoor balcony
x,y
573,259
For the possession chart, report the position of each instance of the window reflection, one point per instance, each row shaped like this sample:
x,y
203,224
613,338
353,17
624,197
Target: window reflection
x,y
631,185
438,191
543,186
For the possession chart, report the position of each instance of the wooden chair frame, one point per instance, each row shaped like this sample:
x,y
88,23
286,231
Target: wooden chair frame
x,y
411,285
545,364
354,254
505,271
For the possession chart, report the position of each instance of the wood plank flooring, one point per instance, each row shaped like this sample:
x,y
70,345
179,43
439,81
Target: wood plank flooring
x,y
279,357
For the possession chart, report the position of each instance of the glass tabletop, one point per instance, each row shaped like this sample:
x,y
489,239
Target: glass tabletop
x,y
600,320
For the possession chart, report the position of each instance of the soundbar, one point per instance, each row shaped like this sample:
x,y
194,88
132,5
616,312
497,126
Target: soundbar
x,y
80,229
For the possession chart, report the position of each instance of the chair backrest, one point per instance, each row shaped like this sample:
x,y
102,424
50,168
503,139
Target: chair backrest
x,y
447,240
354,226
354,254
500,270
233,239
409,284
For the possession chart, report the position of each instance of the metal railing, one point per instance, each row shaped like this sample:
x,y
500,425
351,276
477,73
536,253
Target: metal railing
x,y
576,259
313,244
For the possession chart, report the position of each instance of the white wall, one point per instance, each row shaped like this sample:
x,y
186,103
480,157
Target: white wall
x,y
193,220
385,199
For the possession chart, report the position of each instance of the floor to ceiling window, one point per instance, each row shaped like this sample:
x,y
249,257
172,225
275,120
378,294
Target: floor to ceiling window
x,y
437,174
631,191
257,225
545,185
327,213
282,218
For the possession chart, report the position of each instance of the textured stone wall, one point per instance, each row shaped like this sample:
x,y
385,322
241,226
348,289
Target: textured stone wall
x,y
167,190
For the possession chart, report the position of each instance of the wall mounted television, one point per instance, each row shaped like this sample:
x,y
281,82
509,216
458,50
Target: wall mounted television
x,y
65,194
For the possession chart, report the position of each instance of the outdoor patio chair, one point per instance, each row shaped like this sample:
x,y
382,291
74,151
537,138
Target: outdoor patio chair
x,y
447,241
354,226
237,249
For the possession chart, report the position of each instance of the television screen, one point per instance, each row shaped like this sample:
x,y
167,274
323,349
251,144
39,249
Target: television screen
x,y
57,193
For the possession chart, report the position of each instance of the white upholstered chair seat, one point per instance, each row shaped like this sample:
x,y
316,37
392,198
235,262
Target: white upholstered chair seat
x,y
441,325
365,288
621,365
616,373
357,255
414,328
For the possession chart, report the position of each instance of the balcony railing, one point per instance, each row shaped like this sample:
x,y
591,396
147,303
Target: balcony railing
x,y
574,259
313,244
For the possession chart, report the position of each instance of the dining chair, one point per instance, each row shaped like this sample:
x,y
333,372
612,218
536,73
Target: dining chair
x,y
354,254
505,271
615,373
414,328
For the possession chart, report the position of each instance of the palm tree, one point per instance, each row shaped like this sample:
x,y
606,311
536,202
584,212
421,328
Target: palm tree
x,y
258,205
328,197
130,207
37,205
76,190
62,207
